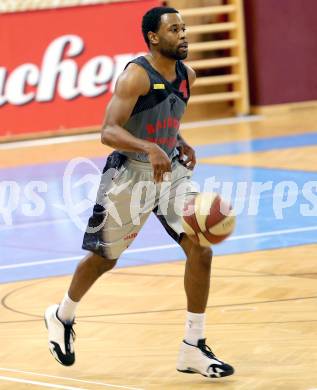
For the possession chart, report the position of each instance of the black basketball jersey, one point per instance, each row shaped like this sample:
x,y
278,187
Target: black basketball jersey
x,y
156,116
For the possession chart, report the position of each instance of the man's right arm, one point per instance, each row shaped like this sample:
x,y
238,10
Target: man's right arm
x,y
131,84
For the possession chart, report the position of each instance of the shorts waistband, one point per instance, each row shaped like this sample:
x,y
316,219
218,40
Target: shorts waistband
x,y
147,166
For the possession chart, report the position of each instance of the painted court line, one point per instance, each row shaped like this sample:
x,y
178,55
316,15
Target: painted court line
x,y
66,378
42,384
222,121
96,136
162,247
50,141
273,233
32,224
31,263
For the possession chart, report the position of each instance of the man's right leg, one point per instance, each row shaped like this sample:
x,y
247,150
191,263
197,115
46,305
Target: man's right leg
x,y
108,238
87,272
59,319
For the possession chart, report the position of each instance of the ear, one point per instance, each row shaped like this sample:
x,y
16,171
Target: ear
x,y
153,38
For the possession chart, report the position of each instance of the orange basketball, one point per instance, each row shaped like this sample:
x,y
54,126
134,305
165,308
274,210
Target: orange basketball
x,y
207,219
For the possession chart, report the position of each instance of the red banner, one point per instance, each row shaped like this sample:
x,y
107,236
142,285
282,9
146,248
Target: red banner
x,y
58,67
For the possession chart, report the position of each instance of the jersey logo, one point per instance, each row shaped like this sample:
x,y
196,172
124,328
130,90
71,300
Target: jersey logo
x,y
183,88
159,86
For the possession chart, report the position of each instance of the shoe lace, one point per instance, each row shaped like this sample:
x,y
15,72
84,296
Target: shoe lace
x,y
69,332
206,350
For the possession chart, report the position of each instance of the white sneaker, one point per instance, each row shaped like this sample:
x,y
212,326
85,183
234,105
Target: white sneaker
x,y
60,337
201,360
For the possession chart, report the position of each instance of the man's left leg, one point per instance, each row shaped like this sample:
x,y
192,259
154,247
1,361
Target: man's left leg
x,y
197,275
195,356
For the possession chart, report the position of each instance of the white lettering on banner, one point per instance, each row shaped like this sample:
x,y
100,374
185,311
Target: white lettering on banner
x,y
53,66
59,73
23,75
95,75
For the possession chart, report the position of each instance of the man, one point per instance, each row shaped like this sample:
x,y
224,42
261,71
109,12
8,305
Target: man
x,y
141,124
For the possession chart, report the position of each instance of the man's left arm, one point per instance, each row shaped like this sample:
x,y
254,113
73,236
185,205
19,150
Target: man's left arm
x,y
186,152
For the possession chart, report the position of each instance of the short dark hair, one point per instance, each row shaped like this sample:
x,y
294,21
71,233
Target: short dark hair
x,y
152,20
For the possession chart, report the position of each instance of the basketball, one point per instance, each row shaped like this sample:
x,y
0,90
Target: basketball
x,y
207,219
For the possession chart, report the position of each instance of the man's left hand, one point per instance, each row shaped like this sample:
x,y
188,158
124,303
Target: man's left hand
x,y
187,154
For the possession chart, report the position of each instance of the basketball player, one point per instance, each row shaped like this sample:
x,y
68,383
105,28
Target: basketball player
x,y
141,124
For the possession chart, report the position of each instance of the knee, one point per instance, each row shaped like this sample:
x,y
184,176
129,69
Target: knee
x,y
196,253
205,256
100,264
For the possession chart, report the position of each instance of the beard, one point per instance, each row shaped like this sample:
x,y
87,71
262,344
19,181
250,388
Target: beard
x,y
172,53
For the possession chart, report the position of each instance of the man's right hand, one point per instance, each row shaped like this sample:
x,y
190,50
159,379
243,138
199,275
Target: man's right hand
x,y
160,162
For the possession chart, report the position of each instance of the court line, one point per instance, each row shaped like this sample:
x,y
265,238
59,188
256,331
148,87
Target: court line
x,y
31,263
222,121
69,379
32,224
42,384
50,141
273,233
95,136
161,247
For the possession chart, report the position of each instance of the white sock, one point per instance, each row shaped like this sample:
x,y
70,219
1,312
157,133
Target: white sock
x,y
67,308
195,327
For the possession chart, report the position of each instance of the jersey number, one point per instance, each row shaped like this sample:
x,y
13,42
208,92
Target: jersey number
x,y
183,88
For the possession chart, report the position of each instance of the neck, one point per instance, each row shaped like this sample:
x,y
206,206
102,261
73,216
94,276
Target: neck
x,y
164,65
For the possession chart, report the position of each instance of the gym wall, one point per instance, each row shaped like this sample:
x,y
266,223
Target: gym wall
x,y
282,51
